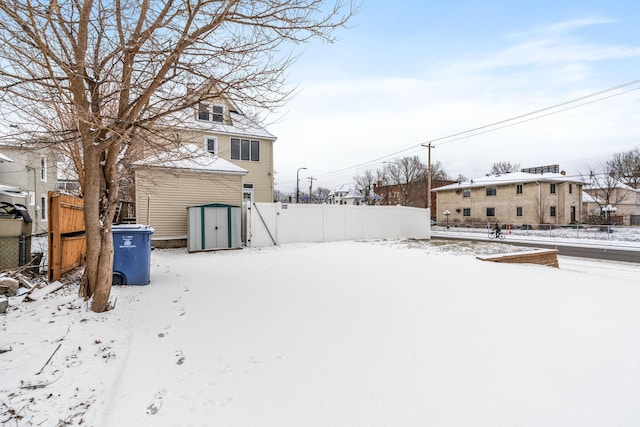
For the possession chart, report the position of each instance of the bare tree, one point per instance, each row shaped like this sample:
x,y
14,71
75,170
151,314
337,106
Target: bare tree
x,y
321,194
626,167
100,77
364,184
408,173
605,188
502,167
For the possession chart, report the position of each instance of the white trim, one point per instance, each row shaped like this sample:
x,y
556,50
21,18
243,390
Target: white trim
x,y
43,207
43,168
215,144
32,198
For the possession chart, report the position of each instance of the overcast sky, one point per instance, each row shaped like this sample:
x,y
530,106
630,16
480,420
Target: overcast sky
x,y
413,71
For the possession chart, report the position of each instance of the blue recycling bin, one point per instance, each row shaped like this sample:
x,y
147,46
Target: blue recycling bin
x,y
131,254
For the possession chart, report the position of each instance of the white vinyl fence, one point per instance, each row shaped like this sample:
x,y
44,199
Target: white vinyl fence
x,y
269,224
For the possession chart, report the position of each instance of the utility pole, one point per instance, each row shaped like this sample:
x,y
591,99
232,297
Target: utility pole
x,y
311,188
429,147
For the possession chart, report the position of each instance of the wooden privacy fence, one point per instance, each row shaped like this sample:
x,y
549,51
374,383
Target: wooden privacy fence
x,y
67,241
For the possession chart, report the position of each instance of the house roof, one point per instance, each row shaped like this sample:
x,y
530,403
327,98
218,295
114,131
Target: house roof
x,y
241,125
191,157
507,179
588,198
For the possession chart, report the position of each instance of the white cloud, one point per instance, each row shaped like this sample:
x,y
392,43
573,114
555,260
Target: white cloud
x,y
337,124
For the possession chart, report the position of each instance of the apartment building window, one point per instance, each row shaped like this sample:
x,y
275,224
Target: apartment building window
x,y
43,169
552,211
491,211
570,188
244,149
552,188
466,193
211,144
43,207
519,211
519,189
491,191
210,113
466,212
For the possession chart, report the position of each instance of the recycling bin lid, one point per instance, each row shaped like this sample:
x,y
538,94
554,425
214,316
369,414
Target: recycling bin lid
x,y
132,227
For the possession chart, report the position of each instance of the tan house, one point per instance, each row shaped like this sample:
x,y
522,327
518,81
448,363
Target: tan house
x,y
222,157
516,199
624,202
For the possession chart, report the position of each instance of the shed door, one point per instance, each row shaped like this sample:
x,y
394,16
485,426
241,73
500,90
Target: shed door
x,y
216,231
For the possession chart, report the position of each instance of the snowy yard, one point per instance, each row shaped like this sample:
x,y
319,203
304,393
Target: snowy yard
x,y
395,333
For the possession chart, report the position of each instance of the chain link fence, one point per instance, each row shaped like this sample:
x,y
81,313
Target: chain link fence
x,y
23,251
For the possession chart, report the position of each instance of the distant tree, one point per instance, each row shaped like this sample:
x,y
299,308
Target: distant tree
x,y
625,167
502,167
461,178
437,172
321,195
604,187
364,184
408,173
279,196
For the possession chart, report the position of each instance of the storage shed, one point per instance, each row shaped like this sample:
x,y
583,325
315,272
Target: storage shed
x,y
213,226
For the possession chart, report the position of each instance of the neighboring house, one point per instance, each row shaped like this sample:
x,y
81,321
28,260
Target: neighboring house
x,y
517,199
27,174
345,195
168,183
220,128
623,198
217,155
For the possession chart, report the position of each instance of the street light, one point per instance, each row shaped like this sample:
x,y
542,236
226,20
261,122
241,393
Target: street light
x,y
608,209
298,184
446,215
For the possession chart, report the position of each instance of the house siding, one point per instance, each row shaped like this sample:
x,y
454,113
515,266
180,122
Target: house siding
x,y
25,173
260,173
162,197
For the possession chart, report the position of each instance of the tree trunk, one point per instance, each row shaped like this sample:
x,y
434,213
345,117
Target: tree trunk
x,y
100,193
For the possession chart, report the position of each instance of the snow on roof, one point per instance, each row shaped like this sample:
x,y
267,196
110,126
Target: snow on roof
x,y
506,179
241,124
588,198
605,185
191,157
9,190
354,194
4,158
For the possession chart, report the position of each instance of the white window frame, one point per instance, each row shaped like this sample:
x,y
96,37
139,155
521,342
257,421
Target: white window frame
x,y
43,207
215,144
249,153
32,198
43,168
211,114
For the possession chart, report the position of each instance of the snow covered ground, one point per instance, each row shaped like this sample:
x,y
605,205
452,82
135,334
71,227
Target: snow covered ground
x,y
388,333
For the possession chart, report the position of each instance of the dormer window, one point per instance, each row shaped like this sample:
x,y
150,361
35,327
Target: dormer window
x,y
210,113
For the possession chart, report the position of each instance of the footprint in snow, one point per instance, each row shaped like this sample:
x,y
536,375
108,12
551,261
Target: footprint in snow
x,y
156,404
180,358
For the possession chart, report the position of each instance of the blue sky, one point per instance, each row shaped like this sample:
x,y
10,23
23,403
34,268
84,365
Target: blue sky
x,y
409,72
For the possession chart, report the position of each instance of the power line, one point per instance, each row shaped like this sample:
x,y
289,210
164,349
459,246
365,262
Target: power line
x,y
491,127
